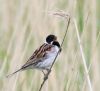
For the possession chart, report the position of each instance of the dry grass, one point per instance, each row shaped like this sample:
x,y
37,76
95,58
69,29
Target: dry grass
x,y
24,24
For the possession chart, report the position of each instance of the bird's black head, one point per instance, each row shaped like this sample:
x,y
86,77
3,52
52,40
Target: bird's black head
x,y
50,38
56,43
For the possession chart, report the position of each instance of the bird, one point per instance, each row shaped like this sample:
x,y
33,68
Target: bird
x,y
43,57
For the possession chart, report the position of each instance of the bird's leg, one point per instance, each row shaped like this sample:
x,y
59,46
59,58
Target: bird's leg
x,y
43,72
48,70
46,75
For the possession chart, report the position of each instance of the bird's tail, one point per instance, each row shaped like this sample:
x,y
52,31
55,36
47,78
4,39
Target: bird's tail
x,y
13,73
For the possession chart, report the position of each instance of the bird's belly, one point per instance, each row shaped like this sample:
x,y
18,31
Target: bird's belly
x,y
46,63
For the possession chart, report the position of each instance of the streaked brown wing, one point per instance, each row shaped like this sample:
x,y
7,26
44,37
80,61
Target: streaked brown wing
x,y
38,55
37,52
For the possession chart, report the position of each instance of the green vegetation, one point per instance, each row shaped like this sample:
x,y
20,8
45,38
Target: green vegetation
x,y
24,24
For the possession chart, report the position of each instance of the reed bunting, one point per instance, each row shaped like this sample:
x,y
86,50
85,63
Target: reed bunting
x,y
43,57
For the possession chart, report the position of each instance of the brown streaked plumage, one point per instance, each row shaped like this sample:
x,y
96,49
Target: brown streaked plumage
x,y
43,57
36,57
38,54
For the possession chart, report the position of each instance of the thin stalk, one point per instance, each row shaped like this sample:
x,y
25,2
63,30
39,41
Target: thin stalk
x,y
83,57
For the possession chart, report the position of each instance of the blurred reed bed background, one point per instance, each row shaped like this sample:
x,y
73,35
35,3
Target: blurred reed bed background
x,y
24,24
